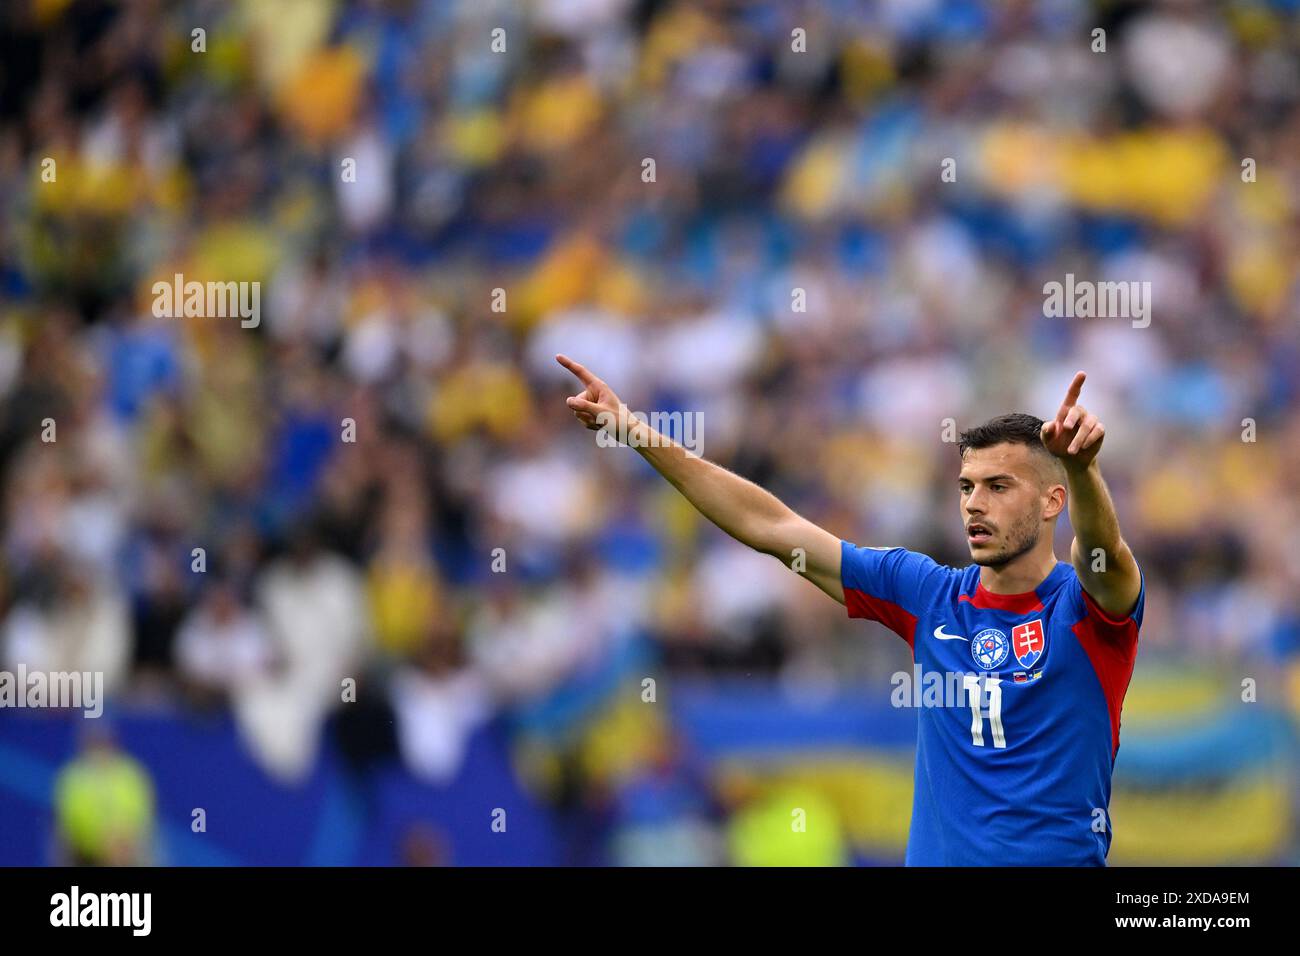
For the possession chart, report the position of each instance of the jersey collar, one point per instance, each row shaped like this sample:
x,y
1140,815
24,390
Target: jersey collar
x,y
1026,602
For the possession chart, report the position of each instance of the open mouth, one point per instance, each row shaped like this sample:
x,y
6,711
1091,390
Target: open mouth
x,y
978,534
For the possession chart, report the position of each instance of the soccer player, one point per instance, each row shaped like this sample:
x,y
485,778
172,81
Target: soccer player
x,y
1017,769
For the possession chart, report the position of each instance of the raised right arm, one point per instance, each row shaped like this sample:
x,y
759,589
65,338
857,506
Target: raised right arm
x,y
750,514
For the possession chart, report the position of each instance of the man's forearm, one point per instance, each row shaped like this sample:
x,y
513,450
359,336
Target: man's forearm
x,y
1092,513
739,507
1111,577
751,515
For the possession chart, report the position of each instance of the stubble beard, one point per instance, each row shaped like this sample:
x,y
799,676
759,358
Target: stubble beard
x,y
1024,536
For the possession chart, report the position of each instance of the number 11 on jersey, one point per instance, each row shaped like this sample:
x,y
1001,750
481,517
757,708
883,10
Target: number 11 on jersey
x,y
972,683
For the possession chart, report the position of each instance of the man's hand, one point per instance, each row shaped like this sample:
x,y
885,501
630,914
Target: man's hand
x,y
596,406
1075,435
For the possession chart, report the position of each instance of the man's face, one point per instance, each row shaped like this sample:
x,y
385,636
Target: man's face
x,y
1003,502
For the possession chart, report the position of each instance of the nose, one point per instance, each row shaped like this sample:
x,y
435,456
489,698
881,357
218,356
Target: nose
x,y
975,503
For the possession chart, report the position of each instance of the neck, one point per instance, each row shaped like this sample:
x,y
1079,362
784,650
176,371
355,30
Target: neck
x,y
1022,574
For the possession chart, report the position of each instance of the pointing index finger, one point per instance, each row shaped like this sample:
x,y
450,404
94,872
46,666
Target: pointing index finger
x,y
1072,396
584,375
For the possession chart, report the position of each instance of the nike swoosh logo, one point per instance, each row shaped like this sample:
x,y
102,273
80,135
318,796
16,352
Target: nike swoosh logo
x,y
938,632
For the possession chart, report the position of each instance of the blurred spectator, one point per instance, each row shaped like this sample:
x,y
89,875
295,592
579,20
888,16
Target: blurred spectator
x,y
314,607
666,814
788,826
438,703
71,622
104,805
423,845
222,646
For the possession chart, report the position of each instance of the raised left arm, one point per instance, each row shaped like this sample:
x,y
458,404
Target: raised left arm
x,y
1102,559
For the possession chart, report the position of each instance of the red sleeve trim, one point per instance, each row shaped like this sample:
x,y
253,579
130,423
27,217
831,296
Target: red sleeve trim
x,y
1111,646
1097,610
860,604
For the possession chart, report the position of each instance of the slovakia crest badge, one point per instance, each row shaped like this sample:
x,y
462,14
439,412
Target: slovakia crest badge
x,y
1028,642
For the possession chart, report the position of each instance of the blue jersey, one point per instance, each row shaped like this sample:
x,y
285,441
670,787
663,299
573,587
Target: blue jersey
x,y
1020,697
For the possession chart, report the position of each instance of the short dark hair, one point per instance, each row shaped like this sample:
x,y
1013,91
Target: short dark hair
x,y
1017,428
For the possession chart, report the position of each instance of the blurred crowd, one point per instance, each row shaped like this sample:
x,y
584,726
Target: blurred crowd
x,y
378,489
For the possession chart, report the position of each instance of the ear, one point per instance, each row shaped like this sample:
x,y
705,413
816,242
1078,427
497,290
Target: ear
x,y
1055,502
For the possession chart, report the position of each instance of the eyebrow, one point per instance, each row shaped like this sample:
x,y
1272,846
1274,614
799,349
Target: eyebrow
x,y
961,478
